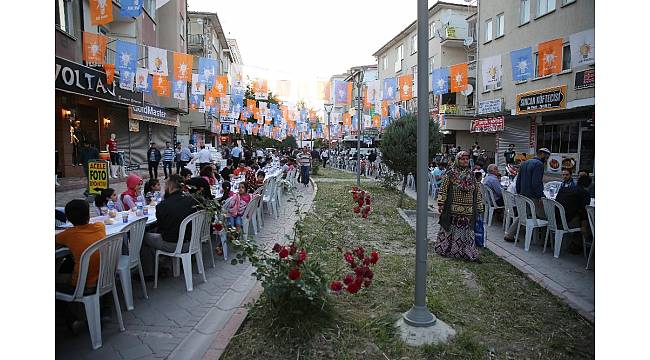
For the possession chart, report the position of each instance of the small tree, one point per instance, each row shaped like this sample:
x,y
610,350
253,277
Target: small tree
x,y
289,141
399,146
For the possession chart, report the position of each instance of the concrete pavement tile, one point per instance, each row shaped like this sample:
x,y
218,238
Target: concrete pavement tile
x,y
161,344
214,321
135,352
193,347
212,354
122,340
230,300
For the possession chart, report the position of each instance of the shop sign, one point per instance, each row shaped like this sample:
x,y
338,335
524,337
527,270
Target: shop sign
x,y
97,176
488,125
153,114
134,125
371,132
585,79
490,106
532,140
449,109
81,80
542,100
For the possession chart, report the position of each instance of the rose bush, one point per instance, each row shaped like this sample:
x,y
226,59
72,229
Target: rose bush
x,y
363,200
362,273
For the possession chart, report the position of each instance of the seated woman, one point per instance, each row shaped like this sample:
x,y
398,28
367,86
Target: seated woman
x,y
259,181
236,205
133,188
102,199
207,173
150,189
225,188
198,185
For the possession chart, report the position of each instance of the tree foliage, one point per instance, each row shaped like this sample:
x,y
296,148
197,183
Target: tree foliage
x,y
289,141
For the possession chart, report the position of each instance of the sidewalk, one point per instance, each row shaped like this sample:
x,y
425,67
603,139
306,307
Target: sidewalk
x,y
174,323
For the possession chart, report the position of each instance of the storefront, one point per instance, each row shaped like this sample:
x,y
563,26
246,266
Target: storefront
x,y
87,109
146,124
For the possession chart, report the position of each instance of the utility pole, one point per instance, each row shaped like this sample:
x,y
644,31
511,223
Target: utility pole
x,y
359,84
419,315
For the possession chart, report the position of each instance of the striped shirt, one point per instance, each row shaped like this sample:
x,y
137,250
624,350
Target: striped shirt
x,y
168,154
304,159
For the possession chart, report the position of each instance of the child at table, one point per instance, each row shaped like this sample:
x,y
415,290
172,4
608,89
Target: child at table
x,y
225,188
78,238
133,187
150,189
108,194
237,204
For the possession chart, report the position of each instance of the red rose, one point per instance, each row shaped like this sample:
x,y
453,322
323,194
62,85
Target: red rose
x,y
360,202
366,261
218,227
357,209
336,285
358,280
364,215
363,193
294,274
284,253
368,201
348,257
292,248
359,252
355,196
359,271
354,288
301,257
374,257
366,283
277,247
369,274
348,279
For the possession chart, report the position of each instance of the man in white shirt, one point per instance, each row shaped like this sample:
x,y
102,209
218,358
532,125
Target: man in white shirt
x,y
203,157
259,153
325,155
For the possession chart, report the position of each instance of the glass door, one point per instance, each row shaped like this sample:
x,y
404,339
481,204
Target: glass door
x,y
587,149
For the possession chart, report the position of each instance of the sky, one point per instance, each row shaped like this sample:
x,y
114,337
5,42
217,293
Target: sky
x,y
310,38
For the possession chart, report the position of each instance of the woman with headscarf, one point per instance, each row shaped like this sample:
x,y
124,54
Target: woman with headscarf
x,y
459,202
133,187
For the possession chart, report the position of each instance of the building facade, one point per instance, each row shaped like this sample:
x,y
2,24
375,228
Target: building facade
x,y
447,32
562,115
87,108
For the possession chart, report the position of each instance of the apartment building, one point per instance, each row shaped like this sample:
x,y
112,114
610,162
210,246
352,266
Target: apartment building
x,y
448,45
554,111
206,38
91,109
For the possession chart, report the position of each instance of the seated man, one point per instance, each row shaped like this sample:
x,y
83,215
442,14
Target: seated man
x,y
170,212
574,199
567,180
493,183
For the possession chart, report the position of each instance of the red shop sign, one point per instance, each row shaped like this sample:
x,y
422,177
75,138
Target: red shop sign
x,y
487,125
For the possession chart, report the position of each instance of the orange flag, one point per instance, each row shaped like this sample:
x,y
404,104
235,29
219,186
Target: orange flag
x,y
384,108
283,88
458,74
376,121
164,89
183,66
347,119
327,92
94,48
366,103
350,92
220,86
550,57
256,114
260,86
406,87
241,116
285,111
101,12
210,99
250,104
110,72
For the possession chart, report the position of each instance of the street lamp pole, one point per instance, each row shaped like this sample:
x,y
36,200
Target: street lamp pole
x,y
359,84
328,110
419,315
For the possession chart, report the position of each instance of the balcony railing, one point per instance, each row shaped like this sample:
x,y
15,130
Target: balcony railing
x,y
454,109
195,40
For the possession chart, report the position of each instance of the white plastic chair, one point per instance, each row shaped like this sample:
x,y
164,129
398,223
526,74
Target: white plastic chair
x,y
196,220
249,219
525,204
555,184
558,229
490,203
109,250
591,215
259,210
269,198
207,239
127,263
509,206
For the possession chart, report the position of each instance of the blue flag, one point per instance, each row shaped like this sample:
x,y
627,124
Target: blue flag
x,y
440,81
208,69
390,88
131,8
126,56
341,92
147,90
522,64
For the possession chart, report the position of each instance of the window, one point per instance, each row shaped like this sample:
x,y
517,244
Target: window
x,y
64,16
567,2
181,26
385,61
501,28
400,57
150,7
524,11
535,60
545,7
559,138
566,57
432,30
471,30
488,30
414,71
414,44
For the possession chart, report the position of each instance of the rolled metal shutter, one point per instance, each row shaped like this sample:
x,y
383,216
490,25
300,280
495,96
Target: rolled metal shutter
x,y
516,131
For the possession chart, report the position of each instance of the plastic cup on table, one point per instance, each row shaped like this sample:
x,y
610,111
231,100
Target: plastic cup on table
x,y
145,210
125,217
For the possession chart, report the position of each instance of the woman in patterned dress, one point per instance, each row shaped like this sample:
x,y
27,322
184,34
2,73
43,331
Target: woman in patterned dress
x,y
458,241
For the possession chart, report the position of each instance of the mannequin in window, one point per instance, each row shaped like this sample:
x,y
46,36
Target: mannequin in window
x,y
111,147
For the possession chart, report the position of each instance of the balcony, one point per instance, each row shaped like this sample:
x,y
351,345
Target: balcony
x,y
451,37
194,43
457,110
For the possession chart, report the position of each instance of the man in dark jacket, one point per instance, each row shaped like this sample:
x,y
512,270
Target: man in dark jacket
x,y
169,214
531,185
574,199
153,157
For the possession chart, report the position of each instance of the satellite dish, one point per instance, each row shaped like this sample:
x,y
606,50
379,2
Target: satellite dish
x,y
468,90
468,41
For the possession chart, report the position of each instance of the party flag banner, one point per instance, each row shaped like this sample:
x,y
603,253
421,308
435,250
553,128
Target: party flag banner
x,y
406,87
341,94
374,88
390,89
261,89
101,12
180,89
283,88
110,72
236,76
157,61
195,102
208,69
327,92
221,86
127,80
126,56
583,48
522,64
183,66
131,8
250,104
142,82
458,74
384,108
491,70
198,87
550,57
440,81
94,48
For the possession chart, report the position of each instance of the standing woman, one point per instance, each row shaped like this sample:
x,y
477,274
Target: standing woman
x,y
459,201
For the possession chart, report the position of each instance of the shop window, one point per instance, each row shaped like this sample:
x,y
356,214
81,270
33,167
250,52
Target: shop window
x,y
449,98
64,16
560,138
574,132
